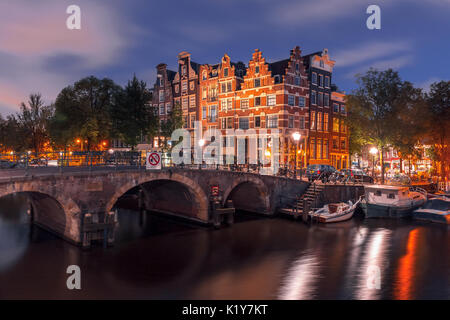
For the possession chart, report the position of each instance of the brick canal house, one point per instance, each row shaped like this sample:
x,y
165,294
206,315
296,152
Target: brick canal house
x,y
290,95
319,68
339,141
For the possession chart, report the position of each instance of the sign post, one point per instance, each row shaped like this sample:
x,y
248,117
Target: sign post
x,y
153,161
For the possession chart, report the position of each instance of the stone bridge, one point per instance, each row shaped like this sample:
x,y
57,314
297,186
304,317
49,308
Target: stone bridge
x,y
64,202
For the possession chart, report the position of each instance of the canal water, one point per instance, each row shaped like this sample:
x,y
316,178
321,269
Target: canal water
x,y
156,257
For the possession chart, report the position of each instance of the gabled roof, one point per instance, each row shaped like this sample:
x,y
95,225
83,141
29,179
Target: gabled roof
x,y
171,75
279,67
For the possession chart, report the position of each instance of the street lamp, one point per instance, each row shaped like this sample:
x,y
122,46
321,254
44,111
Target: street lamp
x,y
201,143
373,151
296,136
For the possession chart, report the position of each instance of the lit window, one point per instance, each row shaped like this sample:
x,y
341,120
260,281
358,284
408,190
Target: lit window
x,y
313,120
335,125
319,121
244,104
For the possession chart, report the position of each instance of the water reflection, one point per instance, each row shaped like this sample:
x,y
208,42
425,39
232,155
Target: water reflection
x,y
301,279
14,230
406,268
156,257
373,259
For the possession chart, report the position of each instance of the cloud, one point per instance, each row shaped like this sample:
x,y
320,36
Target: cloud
x,y
306,12
425,85
393,63
369,51
39,54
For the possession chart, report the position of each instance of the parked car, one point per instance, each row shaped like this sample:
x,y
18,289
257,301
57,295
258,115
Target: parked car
x,y
313,171
38,162
356,175
5,164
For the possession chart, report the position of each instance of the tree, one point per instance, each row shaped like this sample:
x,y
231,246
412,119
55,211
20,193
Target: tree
x,y
33,120
132,116
84,111
373,108
409,125
438,123
173,122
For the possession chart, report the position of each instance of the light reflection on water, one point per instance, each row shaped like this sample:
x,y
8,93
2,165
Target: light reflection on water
x,y
301,278
257,258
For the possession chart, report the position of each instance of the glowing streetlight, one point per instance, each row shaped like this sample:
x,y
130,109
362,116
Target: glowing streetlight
x,y
296,136
267,153
201,142
373,151
110,151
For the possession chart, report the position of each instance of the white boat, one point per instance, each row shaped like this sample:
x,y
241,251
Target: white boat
x,y
335,212
383,201
434,210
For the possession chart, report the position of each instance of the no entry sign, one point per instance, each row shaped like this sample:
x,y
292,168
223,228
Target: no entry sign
x,y
153,161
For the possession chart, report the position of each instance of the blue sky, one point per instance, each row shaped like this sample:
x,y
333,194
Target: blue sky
x,y
118,38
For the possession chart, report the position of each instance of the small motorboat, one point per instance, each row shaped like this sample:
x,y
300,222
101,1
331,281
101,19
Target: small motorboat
x,y
434,210
383,201
335,212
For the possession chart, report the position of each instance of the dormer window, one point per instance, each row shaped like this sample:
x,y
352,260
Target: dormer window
x,y
277,79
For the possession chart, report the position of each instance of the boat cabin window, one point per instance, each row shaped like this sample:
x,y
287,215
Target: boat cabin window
x,y
378,193
391,196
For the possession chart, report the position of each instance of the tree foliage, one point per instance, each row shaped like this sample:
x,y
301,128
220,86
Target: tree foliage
x,y
84,111
132,116
374,109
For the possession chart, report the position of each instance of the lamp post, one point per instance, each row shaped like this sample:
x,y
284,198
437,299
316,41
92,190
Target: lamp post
x,y
373,151
296,136
201,143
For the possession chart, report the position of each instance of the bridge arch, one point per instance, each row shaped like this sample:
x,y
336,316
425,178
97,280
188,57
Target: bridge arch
x,y
57,213
249,193
199,198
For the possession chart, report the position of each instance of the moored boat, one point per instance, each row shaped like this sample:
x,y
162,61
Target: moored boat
x,y
335,212
383,201
434,210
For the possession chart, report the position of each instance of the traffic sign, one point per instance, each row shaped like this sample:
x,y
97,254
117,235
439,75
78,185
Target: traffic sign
x,y
153,161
